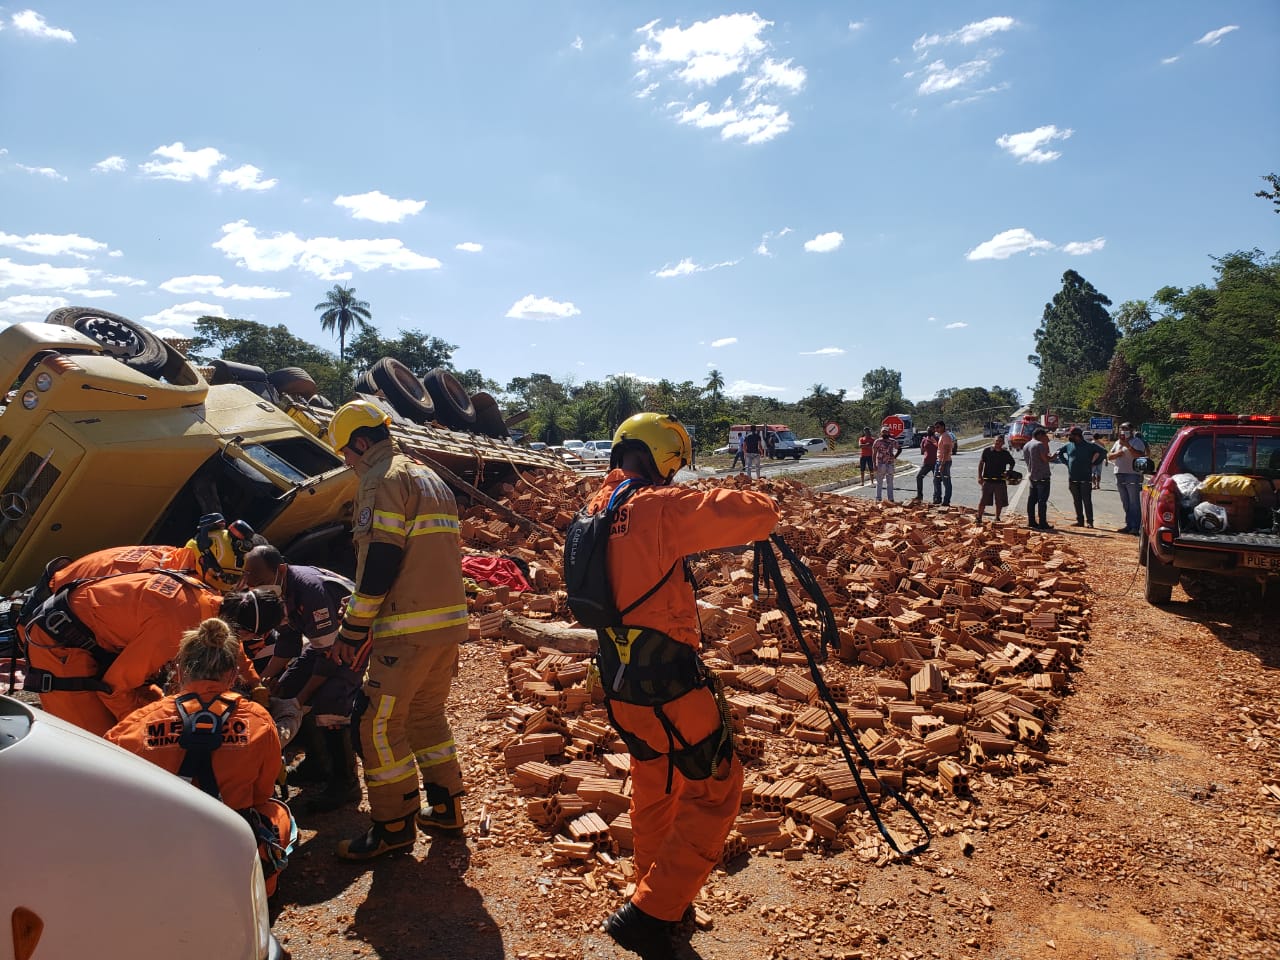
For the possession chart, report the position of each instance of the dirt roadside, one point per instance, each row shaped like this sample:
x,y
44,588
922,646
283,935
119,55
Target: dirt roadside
x,y
1155,839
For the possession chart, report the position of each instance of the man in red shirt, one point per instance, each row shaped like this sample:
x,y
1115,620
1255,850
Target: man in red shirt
x,y
865,443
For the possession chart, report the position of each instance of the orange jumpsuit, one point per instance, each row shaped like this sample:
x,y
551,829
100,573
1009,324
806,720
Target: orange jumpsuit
x,y
139,616
126,560
246,765
678,836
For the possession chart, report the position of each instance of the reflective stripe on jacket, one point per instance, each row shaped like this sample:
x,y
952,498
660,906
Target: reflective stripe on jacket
x,y
659,526
406,504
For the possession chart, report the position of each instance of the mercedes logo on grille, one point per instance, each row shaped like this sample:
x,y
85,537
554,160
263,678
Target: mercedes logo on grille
x,y
13,506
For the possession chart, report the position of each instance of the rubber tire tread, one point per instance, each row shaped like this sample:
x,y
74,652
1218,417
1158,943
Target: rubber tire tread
x,y
152,359
290,379
454,407
393,378
489,420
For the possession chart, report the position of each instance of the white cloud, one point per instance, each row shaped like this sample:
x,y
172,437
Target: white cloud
x,y
178,163
1165,61
760,124
724,341
530,307
741,388
325,257
708,52
116,253
32,24
1080,248
1026,146
687,266
168,333
245,177
49,172
1004,245
378,207
468,246
1214,37
26,306
940,78
185,314
958,325
855,25
92,294
41,276
823,352
577,43
825,242
112,164
122,281
213,286
969,33
53,244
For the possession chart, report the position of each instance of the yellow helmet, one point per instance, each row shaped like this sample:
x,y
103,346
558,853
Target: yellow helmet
x,y
220,551
662,435
350,418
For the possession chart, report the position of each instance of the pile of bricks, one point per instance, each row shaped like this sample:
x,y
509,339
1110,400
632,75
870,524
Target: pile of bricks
x,y
954,643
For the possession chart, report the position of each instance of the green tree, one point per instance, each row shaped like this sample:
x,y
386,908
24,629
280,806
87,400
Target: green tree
x,y
341,311
1076,337
715,388
1274,193
620,398
882,394
1124,394
418,351
246,341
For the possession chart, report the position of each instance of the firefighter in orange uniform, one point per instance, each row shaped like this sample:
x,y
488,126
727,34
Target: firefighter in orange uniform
x,y
218,740
94,645
686,778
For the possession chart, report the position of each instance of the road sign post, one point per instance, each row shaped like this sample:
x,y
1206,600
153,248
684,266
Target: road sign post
x,y
1102,424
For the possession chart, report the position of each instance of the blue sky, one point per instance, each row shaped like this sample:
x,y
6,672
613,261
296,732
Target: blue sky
x,y
791,193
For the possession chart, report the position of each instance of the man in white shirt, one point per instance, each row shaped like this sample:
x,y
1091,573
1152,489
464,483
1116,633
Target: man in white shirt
x,y
1127,448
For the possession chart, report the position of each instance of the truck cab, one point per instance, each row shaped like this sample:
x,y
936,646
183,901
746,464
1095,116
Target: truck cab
x,y
785,443
1212,453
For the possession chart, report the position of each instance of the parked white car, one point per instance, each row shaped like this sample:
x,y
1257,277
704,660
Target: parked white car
x,y
596,449
573,446
814,445
91,885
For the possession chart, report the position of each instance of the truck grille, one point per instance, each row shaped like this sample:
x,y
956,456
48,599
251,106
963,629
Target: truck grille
x,y
21,499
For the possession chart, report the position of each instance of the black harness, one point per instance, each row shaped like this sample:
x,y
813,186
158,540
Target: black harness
x,y
59,622
202,725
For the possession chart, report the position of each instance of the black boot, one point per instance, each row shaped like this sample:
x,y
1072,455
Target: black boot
x,y
379,839
315,765
634,930
343,787
441,814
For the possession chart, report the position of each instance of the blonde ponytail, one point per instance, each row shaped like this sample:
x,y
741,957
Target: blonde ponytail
x,y
209,652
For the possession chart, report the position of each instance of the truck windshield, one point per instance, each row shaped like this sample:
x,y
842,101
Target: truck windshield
x,y
786,435
1231,453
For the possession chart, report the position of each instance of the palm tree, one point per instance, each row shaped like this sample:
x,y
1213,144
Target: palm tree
x,y
343,312
620,398
715,384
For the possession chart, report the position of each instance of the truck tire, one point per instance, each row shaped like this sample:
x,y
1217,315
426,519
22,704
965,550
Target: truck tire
x,y
1156,593
293,380
453,407
133,345
364,385
403,390
489,420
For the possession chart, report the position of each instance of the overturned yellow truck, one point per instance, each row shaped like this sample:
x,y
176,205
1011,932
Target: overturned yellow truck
x,y
110,436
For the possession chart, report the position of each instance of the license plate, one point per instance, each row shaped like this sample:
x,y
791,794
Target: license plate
x,y
1262,561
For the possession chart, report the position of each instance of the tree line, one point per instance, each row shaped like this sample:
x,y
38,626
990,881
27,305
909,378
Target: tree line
x,y
1209,348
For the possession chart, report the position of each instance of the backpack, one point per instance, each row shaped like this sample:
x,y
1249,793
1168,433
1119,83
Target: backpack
x,y
586,577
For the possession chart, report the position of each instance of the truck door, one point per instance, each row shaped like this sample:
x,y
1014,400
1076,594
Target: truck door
x,y
30,490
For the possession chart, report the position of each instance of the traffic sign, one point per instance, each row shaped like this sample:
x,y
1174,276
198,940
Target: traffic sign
x,y
1051,421
893,423
831,429
1102,424
1159,432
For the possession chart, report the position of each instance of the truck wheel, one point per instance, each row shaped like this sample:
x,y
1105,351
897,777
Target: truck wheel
x,y
364,385
1157,593
295,381
489,420
453,407
133,345
402,389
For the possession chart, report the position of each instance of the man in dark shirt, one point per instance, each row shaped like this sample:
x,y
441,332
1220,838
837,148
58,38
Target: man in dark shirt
x,y
993,466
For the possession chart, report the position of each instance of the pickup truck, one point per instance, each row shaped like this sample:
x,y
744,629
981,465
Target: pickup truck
x,y
1172,548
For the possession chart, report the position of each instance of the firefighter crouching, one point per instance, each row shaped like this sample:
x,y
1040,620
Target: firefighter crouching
x,y
686,778
404,622
96,645
221,742
314,600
